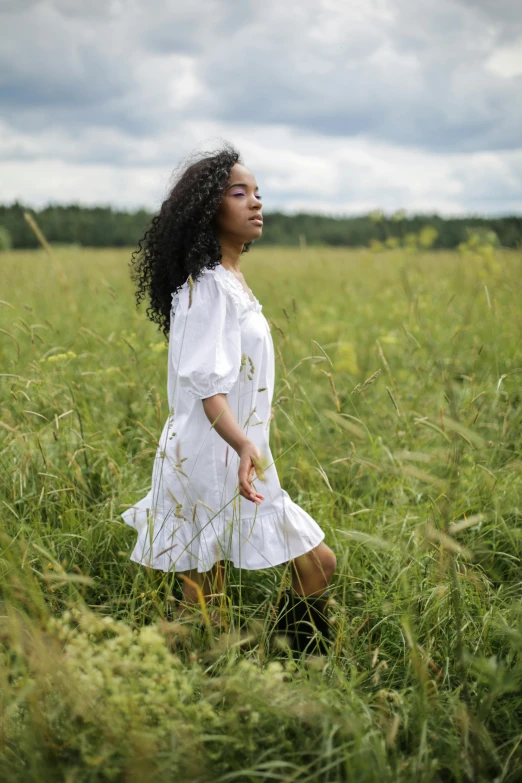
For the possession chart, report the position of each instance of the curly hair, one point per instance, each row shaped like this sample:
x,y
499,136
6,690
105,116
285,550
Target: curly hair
x,y
181,238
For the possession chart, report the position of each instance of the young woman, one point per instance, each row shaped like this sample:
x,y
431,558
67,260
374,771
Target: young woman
x,y
215,493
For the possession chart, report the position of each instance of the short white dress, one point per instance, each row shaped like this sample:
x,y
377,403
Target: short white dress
x,y
193,516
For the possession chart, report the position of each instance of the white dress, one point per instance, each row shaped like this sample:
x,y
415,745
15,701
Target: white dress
x,y
193,515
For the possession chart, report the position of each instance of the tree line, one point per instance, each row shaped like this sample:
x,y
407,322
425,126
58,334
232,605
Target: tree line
x,y
107,227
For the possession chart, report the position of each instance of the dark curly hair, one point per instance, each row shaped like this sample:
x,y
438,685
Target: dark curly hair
x,y
181,239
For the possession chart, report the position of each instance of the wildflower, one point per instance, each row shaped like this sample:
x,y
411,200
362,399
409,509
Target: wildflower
x,y
157,347
59,357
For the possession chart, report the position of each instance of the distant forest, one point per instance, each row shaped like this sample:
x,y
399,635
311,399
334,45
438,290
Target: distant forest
x,y
106,227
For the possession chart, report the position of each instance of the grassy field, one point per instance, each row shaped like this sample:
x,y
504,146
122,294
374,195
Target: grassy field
x,y
415,477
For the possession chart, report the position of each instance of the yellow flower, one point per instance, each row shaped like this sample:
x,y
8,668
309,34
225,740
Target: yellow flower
x,y
59,357
388,338
157,347
346,359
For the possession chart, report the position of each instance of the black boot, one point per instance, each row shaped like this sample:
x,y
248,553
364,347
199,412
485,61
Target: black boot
x,y
304,620
284,624
312,630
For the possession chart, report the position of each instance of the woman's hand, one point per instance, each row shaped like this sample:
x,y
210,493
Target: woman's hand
x,y
222,418
247,454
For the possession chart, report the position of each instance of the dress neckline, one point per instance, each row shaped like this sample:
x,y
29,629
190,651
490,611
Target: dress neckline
x,y
254,303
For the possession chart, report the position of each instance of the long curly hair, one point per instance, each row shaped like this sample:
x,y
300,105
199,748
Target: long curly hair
x,y
181,239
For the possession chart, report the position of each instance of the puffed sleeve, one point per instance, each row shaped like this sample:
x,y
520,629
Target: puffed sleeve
x,y
206,340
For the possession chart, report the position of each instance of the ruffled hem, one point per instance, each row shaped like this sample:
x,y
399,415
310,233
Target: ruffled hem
x,y
256,543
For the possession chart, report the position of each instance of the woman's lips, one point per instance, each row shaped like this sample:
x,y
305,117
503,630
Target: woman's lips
x,y
258,220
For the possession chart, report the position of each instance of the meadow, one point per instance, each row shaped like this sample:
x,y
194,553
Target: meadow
x,y
397,426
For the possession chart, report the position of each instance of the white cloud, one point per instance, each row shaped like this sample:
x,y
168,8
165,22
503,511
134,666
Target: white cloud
x,y
507,60
41,182
295,172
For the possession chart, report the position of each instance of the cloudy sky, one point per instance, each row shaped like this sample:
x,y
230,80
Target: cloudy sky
x,y
337,106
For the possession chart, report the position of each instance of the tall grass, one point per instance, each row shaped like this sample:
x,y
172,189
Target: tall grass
x,y
397,427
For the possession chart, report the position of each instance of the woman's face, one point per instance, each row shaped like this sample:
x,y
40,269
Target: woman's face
x,y
239,214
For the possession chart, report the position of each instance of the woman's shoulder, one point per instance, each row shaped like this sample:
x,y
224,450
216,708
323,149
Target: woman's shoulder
x,y
210,285
234,289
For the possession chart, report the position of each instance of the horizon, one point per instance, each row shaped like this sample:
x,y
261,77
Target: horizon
x,y
408,214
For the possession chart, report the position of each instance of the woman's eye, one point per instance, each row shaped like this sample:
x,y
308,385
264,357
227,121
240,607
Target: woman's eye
x,y
240,193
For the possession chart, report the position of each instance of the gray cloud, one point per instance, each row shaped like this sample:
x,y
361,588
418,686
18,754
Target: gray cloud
x,y
418,78
128,84
504,15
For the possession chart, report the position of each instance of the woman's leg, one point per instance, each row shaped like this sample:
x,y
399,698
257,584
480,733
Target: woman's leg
x,y
313,571
210,582
303,608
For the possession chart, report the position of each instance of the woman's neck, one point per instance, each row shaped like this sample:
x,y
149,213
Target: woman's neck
x,y
231,254
231,266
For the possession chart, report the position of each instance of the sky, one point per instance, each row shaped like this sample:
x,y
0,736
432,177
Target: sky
x,y
338,107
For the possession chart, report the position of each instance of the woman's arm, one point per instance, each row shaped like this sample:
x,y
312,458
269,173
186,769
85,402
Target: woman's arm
x,y
220,414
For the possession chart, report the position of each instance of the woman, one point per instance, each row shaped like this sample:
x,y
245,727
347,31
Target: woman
x,y
203,506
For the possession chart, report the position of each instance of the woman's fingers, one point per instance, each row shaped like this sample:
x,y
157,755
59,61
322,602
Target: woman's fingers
x,y
249,492
246,476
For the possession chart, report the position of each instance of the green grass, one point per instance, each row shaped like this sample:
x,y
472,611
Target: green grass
x,y
415,478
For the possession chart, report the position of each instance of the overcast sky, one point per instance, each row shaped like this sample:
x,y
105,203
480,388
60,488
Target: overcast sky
x,y
337,106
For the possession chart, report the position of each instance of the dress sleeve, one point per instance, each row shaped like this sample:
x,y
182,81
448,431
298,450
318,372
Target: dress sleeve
x,y
206,340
